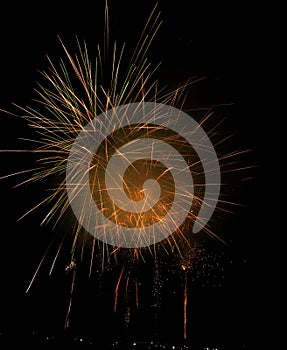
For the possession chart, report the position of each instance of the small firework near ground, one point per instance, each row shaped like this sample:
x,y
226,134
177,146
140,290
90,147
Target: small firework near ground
x,y
134,186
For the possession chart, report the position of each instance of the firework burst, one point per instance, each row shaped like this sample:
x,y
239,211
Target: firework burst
x,y
138,173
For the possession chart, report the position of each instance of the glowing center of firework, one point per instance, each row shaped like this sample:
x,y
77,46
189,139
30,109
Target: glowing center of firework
x,y
127,181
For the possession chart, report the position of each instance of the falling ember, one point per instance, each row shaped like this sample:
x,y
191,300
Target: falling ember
x,y
70,268
157,290
188,253
117,290
185,306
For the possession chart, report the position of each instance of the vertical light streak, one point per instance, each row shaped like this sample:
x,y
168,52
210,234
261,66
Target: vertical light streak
x,y
117,290
67,318
185,306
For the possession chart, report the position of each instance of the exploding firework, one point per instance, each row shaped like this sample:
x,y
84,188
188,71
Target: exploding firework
x,y
136,173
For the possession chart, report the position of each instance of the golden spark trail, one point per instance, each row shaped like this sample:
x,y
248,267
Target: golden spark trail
x,y
67,318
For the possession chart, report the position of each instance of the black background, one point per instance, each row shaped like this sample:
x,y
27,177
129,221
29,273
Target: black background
x,y
223,44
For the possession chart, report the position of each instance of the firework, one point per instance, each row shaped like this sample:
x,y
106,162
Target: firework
x,y
137,171
127,152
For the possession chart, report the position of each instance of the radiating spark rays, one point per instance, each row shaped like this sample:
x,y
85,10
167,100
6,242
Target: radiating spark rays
x,y
63,113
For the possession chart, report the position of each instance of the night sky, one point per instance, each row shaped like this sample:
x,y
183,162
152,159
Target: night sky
x,y
219,44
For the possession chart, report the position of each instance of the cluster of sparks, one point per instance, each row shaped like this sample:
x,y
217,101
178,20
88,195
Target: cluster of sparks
x,y
75,92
